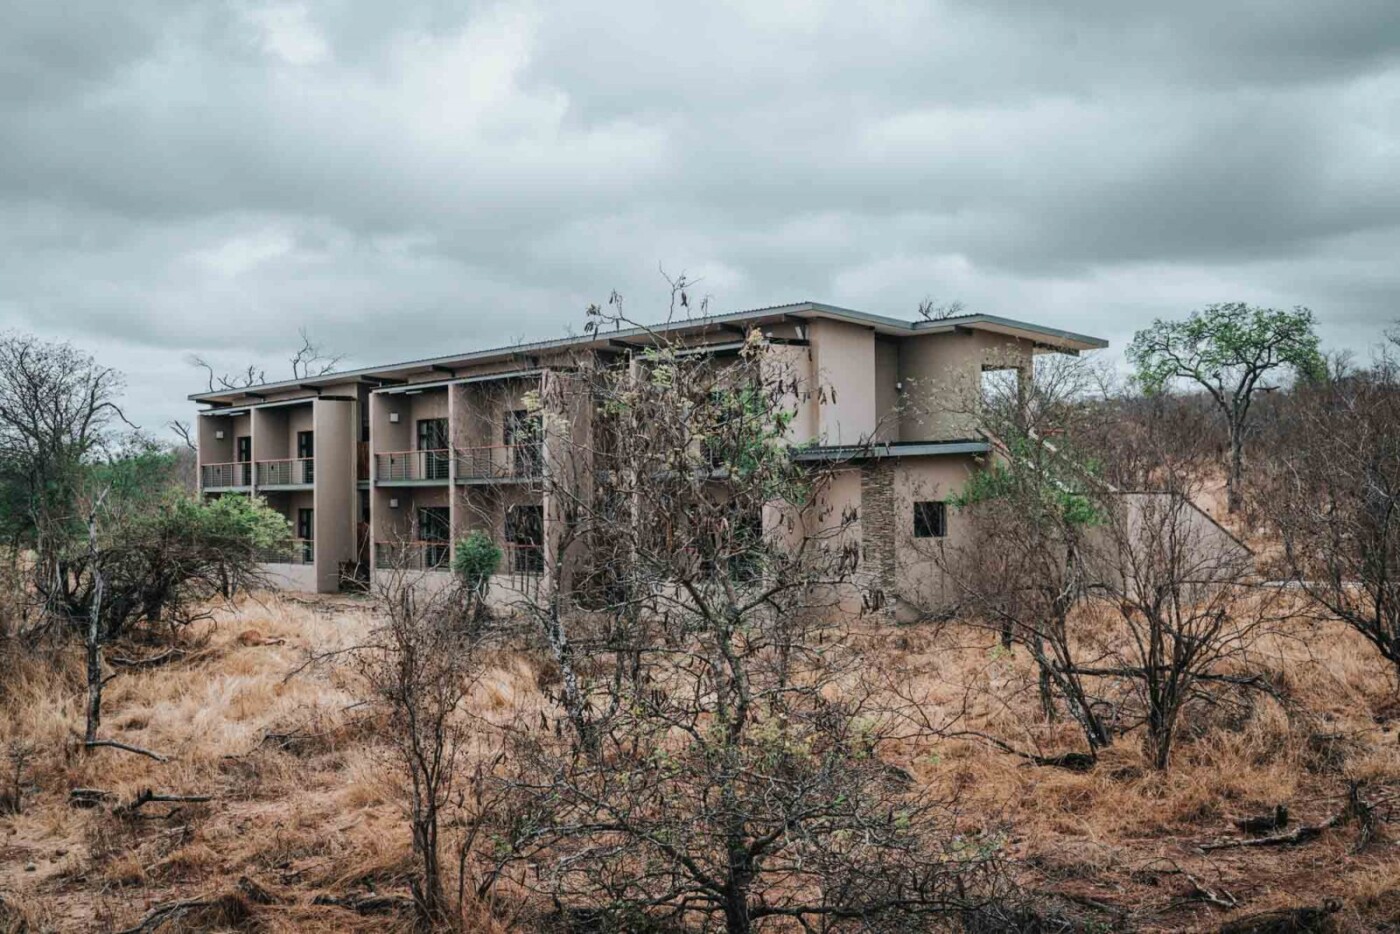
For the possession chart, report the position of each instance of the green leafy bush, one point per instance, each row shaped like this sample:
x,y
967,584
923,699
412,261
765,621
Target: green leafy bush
x,y
476,558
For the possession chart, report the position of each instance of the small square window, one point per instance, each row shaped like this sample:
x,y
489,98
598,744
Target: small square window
x,y
930,519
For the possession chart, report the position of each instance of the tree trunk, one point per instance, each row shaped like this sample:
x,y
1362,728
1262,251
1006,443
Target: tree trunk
x,y
93,636
736,894
1160,727
563,653
432,899
94,674
1234,494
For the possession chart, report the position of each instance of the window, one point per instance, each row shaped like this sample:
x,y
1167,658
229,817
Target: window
x,y
432,441
435,532
306,533
521,433
525,538
930,519
306,448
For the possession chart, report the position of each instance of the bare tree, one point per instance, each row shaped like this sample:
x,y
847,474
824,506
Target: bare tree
x,y
310,359
1180,590
252,375
422,663
1332,491
58,407
1030,511
722,760
930,310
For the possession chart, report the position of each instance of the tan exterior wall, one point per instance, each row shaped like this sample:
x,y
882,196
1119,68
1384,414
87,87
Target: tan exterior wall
x,y
895,566
918,582
213,450
942,379
844,357
298,578
794,367
335,425
886,389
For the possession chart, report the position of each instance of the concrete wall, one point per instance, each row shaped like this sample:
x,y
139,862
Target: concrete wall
x,y
942,379
214,450
844,358
886,389
791,366
918,583
384,434
480,410
299,578
336,426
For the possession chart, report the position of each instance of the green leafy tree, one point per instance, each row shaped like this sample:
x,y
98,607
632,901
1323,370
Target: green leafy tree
x,y
1227,349
149,560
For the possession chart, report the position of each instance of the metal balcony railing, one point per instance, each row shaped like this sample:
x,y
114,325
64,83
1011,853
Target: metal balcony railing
x,y
521,559
413,465
294,472
413,556
500,462
235,474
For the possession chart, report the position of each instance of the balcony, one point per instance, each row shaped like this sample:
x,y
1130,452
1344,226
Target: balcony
x,y
413,556
500,462
300,551
409,467
296,472
237,475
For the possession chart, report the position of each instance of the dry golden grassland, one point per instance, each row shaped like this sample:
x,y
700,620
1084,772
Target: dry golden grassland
x,y
306,800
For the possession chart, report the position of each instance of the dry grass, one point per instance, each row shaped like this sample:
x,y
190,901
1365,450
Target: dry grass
x,y
299,780
306,803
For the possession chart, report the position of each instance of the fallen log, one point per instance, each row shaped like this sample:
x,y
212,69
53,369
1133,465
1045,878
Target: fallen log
x,y
1264,823
126,747
147,796
367,903
1356,809
1300,834
256,893
88,797
1285,920
168,912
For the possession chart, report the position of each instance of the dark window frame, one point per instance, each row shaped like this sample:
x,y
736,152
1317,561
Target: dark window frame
x,y
930,518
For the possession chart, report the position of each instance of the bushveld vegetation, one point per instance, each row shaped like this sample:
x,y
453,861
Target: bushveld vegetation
x,y
709,723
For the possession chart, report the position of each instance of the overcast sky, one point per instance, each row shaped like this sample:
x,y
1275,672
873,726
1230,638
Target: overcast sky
x,y
415,177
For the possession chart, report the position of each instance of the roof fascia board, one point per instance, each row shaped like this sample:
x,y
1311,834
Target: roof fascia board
x,y
885,449
408,388
802,310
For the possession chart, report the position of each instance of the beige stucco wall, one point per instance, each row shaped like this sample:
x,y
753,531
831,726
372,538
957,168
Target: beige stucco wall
x,y
919,584
882,493
298,578
389,436
213,450
480,409
335,424
942,379
886,391
844,361
791,366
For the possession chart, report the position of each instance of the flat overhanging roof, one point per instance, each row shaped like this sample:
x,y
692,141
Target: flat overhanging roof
x,y
1047,338
877,449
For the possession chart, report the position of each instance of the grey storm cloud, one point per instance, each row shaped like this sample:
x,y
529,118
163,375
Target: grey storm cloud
x,y
410,178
